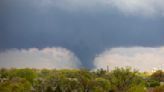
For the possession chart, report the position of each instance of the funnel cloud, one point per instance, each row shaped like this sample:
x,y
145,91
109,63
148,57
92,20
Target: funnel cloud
x,y
83,28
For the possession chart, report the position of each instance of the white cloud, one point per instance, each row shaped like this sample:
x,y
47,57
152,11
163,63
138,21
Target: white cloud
x,y
59,58
142,7
141,58
128,7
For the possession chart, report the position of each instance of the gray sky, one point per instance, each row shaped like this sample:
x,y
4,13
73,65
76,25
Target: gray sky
x,y
85,27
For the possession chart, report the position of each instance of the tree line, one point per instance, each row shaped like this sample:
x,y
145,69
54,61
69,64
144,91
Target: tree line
x,y
80,80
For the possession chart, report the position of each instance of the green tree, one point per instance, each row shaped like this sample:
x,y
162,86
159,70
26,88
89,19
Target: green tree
x,y
102,85
101,72
28,74
157,89
4,73
137,88
86,80
158,75
121,79
15,85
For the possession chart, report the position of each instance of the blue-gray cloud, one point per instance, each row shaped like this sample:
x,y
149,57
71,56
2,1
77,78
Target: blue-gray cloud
x,y
86,31
128,7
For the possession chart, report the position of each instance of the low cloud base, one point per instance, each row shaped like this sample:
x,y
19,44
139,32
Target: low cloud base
x,y
140,58
58,58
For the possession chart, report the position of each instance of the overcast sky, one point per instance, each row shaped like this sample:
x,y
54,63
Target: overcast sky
x,y
85,28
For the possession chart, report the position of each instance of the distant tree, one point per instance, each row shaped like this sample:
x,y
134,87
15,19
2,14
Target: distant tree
x,y
49,89
102,84
137,88
86,80
101,72
45,73
121,79
158,75
117,80
157,89
15,85
39,85
58,89
28,74
152,83
4,73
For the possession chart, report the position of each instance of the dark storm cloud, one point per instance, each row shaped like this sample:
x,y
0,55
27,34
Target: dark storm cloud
x,y
86,33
